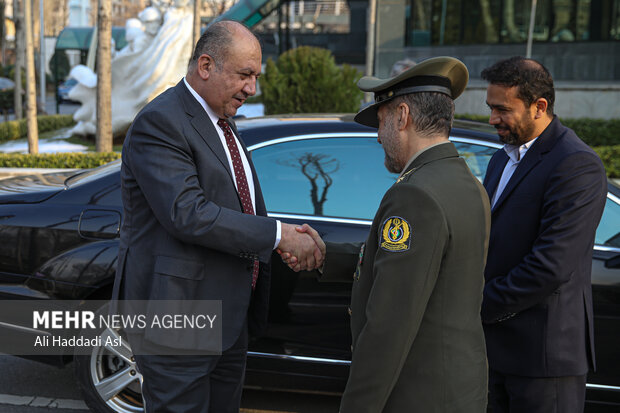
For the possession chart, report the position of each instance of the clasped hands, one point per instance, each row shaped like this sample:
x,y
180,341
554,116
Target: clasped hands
x,y
301,248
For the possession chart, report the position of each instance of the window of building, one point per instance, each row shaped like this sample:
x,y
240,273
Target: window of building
x,y
453,22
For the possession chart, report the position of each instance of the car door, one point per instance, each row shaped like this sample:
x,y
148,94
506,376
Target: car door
x,y
604,384
334,182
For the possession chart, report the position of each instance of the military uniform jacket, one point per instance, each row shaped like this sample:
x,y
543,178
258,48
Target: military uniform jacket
x,y
418,343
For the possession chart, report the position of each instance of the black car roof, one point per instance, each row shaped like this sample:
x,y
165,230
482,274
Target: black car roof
x,y
257,130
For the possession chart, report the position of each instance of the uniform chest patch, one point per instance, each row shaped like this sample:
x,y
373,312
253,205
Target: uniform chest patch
x,y
396,235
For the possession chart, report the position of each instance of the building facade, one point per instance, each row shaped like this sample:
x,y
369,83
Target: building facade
x,y
577,40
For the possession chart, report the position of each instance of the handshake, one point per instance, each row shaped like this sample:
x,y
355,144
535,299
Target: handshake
x,y
301,248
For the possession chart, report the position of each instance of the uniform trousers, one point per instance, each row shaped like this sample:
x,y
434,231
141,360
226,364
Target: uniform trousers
x,y
518,394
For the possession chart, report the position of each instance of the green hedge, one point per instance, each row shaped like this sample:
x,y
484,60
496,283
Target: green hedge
x,y
611,159
57,160
17,129
594,132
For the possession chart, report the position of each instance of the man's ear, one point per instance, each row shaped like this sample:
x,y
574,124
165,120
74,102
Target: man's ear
x,y
540,107
205,66
403,116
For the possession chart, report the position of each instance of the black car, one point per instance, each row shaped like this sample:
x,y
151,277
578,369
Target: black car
x,y
60,238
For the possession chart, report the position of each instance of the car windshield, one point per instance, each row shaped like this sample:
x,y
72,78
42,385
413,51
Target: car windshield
x,y
89,175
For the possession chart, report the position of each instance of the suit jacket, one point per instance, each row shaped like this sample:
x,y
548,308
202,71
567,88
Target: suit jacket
x,y
418,342
537,305
184,235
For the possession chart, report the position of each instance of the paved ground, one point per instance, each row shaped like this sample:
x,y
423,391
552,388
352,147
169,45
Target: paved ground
x,y
30,387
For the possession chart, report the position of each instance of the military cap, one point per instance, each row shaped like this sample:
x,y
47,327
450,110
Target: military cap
x,y
439,74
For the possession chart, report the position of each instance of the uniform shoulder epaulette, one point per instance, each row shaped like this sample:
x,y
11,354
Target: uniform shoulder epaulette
x,y
406,174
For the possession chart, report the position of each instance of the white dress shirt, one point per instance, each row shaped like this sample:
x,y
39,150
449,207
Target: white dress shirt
x,y
515,154
244,160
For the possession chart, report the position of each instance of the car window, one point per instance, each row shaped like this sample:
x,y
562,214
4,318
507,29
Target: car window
x,y
608,231
333,177
477,156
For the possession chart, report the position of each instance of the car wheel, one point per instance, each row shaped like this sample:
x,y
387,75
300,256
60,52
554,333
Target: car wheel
x,y
108,376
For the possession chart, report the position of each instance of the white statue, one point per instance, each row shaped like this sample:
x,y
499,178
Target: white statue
x,y
155,59
133,31
85,92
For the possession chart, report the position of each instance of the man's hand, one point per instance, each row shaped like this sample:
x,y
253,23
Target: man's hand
x,y
296,263
297,243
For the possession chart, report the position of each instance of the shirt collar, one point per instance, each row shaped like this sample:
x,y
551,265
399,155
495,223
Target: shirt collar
x,y
415,155
214,118
516,153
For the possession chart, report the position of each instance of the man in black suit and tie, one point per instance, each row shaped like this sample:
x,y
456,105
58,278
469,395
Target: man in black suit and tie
x,y
195,224
547,190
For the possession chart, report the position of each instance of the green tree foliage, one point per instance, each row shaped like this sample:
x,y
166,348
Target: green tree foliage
x,y
59,58
307,80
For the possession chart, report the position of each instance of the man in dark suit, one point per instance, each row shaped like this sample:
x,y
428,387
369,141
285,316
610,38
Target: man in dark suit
x,y
547,191
195,225
418,343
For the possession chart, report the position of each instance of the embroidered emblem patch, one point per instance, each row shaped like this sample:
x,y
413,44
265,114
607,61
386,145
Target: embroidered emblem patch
x,y
396,235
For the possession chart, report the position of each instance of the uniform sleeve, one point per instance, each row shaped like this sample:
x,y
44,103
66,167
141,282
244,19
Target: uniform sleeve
x,y
405,272
340,261
163,166
573,203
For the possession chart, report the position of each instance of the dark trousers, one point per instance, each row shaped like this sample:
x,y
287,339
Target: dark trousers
x,y
200,384
517,394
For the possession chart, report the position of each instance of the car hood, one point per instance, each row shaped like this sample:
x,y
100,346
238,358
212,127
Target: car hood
x,y
32,188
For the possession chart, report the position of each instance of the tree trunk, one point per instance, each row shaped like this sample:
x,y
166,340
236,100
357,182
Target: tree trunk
x,y
104,78
197,4
31,98
19,59
2,29
487,19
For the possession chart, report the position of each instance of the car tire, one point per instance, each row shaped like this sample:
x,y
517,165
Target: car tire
x,y
108,378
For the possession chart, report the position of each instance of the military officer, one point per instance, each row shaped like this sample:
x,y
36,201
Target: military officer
x,y
418,343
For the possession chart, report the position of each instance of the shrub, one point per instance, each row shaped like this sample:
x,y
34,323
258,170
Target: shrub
x,y
6,99
594,132
17,129
307,80
57,160
610,155
59,61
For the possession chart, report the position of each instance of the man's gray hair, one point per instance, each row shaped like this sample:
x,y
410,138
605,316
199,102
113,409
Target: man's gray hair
x,y
215,42
431,112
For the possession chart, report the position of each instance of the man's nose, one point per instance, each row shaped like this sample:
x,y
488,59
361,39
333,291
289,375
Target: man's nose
x,y
494,119
250,86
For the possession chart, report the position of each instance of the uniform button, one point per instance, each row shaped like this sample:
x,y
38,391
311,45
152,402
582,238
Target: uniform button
x,y
349,311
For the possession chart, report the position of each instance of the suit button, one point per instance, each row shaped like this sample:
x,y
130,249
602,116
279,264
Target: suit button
x,y
349,311
351,348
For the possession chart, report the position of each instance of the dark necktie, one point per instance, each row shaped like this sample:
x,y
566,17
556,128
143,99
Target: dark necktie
x,y
242,183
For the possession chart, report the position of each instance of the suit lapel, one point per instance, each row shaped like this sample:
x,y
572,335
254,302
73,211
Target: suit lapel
x,y
203,125
494,174
545,142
